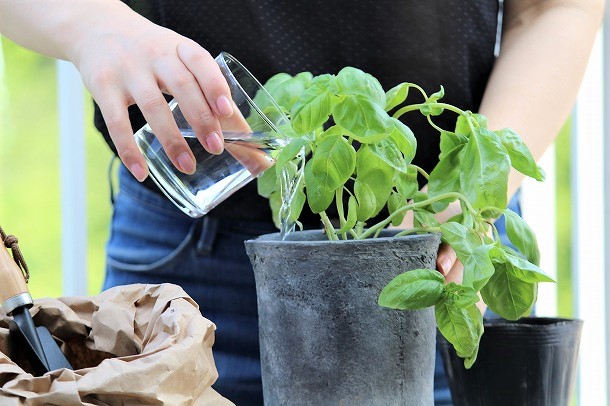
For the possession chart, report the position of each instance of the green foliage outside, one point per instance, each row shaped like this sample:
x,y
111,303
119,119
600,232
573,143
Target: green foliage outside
x,y
565,305
29,171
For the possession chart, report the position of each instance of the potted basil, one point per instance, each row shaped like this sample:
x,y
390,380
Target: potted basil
x,y
350,314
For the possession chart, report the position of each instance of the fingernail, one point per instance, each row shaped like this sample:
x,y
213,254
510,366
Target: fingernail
x,y
138,172
186,163
445,266
215,143
224,106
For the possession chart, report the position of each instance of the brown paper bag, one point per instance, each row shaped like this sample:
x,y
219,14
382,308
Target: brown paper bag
x,y
130,345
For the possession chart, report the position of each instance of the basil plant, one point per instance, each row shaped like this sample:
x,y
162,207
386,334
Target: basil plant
x,y
359,157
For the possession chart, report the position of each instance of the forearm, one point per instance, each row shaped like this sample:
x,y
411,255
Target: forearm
x,y
55,27
545,50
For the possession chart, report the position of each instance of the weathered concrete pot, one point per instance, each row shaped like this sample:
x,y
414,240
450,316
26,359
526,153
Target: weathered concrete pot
x,y
324,339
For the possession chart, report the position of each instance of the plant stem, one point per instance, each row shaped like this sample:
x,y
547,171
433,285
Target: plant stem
x,y
450,108
339,201
328,226
421,90
445,106
359,229
440,130
406,109
419,230
422,172
423,203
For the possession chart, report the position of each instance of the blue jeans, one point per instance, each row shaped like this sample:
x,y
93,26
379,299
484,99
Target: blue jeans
x,y
151,241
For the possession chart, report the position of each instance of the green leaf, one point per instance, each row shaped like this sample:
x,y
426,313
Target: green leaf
x,y
285,89
434,97
430,108
522,236
423,218
267,183
406,183
333,162
416,289
462,327
335,130
507,295
275,203
376,174
296,204
396,95
462,127
404,139
480,120
520,267
478,268
273,87
367,202
388,151
461,239
275,81
395,202
492,213
353,81
520,156
465,218
462,296
289,152
449,141
314,106
318,197
526,271
362,117
352,215
485,169
445,177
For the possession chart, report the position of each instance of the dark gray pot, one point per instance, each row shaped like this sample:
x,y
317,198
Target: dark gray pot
x,y
324,339
530,361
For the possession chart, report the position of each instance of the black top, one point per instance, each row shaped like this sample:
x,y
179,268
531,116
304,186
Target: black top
x,y
428,42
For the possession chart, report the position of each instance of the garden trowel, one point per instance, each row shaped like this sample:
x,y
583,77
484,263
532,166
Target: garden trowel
x,y
36,343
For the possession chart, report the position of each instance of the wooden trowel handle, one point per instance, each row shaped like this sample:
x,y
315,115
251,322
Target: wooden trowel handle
x,y
12,281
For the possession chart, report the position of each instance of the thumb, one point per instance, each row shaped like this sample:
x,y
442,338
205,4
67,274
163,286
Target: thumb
x,y
445,259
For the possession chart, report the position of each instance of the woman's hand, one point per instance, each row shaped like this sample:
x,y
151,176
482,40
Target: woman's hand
x,y
125,59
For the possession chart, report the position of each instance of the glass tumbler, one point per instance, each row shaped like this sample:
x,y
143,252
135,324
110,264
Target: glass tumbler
x,y
253,136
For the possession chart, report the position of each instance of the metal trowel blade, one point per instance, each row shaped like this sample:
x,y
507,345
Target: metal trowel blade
x,y
55,358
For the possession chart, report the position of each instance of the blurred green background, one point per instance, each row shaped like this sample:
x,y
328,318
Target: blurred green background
x,y
29,171
29,177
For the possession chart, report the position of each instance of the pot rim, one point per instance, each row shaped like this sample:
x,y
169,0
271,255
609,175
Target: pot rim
x,y
274,238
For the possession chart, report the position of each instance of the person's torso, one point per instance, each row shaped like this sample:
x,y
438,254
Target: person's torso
x,y
431,43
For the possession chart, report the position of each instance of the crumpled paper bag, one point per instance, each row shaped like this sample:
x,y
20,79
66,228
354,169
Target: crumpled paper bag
x,y
130,345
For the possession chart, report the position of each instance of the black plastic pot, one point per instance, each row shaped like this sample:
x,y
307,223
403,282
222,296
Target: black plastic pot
x,y
531,361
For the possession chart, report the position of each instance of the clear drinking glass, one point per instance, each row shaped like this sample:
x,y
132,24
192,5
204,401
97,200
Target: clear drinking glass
x,y
253,136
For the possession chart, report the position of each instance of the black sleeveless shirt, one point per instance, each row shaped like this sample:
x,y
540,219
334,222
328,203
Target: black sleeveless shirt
x,y
428,42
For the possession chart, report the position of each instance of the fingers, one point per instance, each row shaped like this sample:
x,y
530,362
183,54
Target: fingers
x,y
202,74
446,259
117,121
456,273
156,111
175,63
